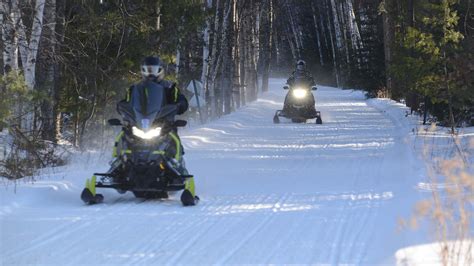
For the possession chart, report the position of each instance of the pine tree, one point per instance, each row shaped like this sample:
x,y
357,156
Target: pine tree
x,y
427,58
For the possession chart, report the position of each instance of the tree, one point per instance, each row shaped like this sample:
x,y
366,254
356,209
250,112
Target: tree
x,y
428,54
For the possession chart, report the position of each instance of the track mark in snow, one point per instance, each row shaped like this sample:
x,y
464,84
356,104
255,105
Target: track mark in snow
x,y
48,238
189,243
253,231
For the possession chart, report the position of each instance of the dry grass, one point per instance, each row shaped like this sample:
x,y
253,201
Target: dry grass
x,y
25,154
449,209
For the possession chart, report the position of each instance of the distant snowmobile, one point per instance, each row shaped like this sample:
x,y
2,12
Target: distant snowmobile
x,y
299,104
149,162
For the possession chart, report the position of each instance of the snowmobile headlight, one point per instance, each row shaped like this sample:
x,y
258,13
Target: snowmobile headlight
x,y
152,133
299,93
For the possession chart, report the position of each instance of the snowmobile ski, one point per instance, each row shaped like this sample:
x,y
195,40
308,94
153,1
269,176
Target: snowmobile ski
x,y
188,199
89,195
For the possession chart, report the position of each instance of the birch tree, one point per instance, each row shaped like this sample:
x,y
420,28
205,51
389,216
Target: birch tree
x,y
28,45
9,19
251,55
353,26
15,38
206,45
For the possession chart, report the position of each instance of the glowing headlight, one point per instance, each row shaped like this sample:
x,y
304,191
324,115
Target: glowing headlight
x,y
146,135
300,93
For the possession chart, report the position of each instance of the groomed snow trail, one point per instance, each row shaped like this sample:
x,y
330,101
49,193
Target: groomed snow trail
x,y
270,194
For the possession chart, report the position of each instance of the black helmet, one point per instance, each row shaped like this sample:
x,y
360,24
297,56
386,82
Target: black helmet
x,y
301,65
152,68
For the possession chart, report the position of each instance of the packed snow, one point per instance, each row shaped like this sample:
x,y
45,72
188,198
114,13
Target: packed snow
x,y
270,194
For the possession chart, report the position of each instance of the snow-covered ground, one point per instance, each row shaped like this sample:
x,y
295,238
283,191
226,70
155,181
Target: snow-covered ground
x,y
270,194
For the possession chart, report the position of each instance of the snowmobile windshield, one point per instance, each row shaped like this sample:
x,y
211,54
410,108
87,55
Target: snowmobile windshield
x,y
301,82
147,101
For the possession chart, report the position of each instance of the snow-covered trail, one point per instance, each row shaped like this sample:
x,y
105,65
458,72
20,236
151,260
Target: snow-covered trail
x,y
285,193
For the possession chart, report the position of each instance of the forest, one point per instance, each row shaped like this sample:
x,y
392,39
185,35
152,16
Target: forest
x,y
104,163
66,63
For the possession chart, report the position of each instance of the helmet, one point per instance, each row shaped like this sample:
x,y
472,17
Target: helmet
x,y
151,68
301,65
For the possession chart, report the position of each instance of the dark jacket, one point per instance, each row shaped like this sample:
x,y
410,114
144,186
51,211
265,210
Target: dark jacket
x,y
173,95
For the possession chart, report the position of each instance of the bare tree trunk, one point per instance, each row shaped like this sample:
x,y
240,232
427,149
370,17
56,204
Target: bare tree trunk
x,y
354,28
265,50
412,99
9,36
242,47
321,23
47,60
251,65
256,33
75,140
344,30
158,15
180,50
337,26
297,37
388,38
237,50
321,60
452,122
2,68
214,62
334,58
205,48
276,44
227,72
59,32
178,61
294,51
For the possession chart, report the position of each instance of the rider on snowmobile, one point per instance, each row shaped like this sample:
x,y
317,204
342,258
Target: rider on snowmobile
x,y
153,70
301,75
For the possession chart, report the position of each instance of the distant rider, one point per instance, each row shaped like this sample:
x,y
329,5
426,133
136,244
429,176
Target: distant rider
x,y
301,75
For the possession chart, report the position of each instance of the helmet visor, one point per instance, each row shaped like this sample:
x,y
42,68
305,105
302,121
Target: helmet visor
x,y
153,70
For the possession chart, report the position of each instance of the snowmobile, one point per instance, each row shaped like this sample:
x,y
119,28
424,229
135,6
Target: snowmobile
x,y
149,162
299,104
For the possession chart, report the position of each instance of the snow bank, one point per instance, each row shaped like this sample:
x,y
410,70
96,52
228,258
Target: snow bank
x,y
401,115
440,144
462,253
